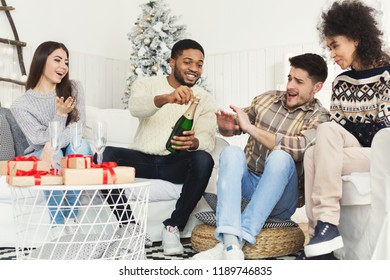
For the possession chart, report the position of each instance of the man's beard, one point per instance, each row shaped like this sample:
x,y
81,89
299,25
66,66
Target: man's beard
x,y
180,79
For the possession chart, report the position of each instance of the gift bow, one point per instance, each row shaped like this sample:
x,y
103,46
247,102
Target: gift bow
x,y
34,159
35,173
107,166
79,156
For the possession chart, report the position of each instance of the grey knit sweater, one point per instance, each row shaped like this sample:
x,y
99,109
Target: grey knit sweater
x,y
33,111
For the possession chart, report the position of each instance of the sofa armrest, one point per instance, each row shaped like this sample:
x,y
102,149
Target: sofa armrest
x,y
380,171
7,150
19,140
378,226
220,144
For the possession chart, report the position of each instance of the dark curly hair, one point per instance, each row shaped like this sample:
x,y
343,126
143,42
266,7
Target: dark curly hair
x,y
356,21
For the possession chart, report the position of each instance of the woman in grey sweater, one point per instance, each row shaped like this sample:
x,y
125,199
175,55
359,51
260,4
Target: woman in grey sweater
x,y
51,96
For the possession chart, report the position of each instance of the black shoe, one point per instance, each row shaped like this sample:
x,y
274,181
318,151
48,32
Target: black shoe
x,y
329,256
326,239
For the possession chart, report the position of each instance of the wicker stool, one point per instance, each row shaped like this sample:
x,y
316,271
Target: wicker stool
x,y
271,242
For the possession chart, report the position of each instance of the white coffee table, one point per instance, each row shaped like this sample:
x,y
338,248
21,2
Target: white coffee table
x,y
96,235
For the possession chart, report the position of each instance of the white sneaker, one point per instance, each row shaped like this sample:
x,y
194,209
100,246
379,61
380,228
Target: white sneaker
x,y
215,253
232,252
171,241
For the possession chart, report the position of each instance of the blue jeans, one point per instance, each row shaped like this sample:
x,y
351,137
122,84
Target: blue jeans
x,y
67,200
274,193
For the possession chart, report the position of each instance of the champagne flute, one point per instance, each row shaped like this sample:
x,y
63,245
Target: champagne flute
x,y
55,132
76,135
99,139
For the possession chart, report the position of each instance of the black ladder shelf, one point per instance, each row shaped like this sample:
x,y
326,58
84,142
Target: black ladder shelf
x,y
18,44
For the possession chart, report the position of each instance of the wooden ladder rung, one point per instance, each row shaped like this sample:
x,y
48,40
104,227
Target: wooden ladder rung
x,y
13,42
12,81
7,8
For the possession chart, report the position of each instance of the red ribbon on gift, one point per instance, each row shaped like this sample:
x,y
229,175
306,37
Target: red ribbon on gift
x,y
107,166
86,158
35,173
22,158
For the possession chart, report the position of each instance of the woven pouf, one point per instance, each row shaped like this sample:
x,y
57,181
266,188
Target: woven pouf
x,y
271,242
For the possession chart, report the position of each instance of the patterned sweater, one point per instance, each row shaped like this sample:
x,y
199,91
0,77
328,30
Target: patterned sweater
x,y
33,111
155,124
361,102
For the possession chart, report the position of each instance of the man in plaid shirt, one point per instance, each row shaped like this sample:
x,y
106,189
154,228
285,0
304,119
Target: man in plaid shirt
x,y
281,126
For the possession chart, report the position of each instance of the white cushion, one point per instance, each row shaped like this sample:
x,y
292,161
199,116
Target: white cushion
x,y
356,189
121,125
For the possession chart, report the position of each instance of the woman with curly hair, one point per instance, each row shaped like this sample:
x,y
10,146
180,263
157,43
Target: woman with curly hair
x,y
360,107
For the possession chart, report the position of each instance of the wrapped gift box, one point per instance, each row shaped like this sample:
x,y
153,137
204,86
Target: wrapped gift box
x,y
24,181
76,162
99,176
6,167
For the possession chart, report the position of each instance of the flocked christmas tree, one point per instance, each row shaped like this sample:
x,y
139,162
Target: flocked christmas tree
x,y
153,36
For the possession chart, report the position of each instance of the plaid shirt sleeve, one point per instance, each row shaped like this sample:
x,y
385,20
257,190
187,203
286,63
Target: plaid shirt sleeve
x,y
296,143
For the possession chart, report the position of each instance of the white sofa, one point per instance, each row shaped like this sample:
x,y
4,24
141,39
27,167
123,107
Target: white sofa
x,y
163,194
365,207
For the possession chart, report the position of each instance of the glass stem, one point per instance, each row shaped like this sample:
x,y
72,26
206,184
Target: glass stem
x,y
99,158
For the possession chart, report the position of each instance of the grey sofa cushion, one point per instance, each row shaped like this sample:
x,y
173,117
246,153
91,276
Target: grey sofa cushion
x,y
7,150
20,141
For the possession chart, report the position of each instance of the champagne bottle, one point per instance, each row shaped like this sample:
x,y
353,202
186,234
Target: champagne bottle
x,y
184,123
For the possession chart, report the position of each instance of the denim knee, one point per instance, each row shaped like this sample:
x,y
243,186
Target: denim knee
x,y
85,148
231,154
282,159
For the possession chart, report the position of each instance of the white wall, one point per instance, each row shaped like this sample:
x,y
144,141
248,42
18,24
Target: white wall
x,y
99,27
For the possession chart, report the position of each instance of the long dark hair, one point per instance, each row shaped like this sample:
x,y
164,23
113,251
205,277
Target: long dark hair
x,y
356,21
64,88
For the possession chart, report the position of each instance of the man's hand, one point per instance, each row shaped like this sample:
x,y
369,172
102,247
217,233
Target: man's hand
x,y
226,121
242,118
63,108
181,95
186,142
